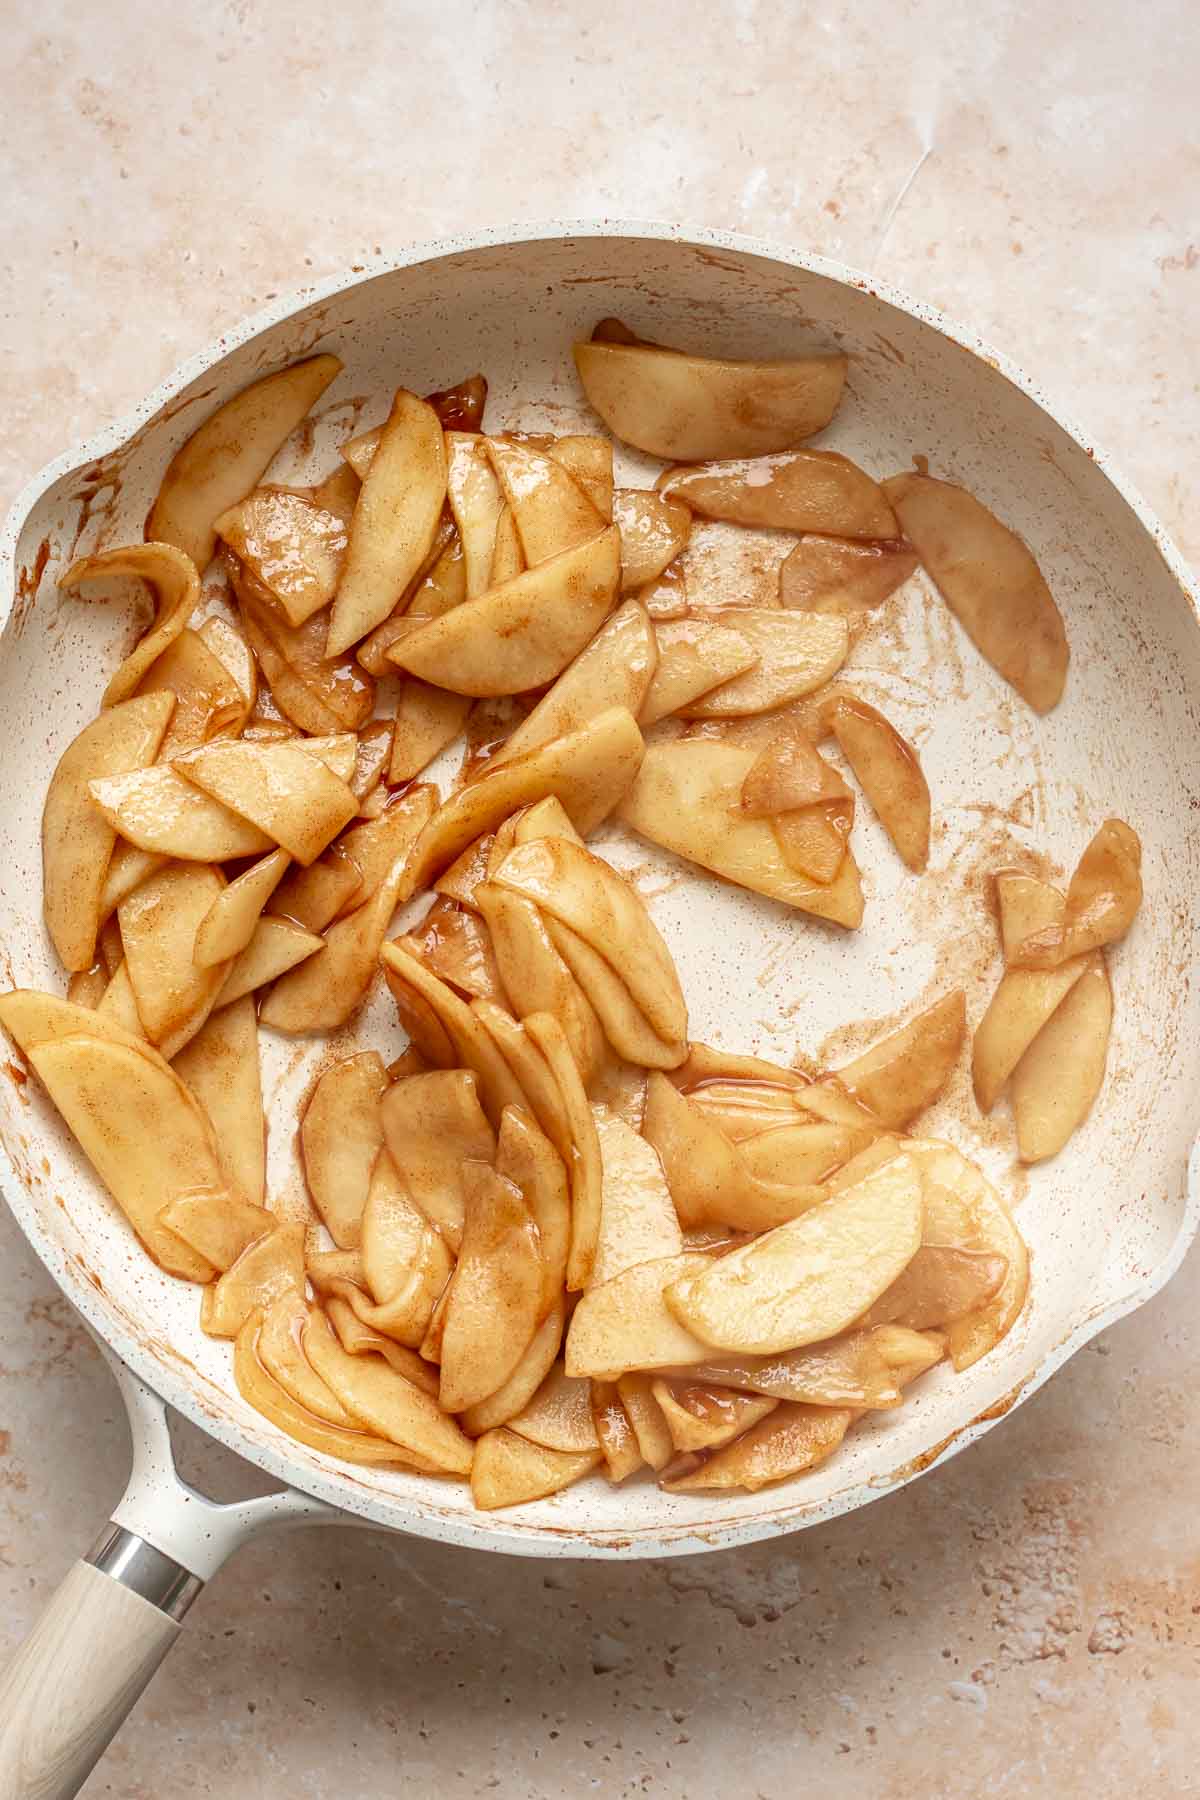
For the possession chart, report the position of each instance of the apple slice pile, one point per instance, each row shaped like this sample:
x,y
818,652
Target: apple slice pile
x,y
553,1234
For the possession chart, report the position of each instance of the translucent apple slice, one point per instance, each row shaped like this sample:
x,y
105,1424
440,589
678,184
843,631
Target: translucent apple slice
x,y
525,1379
384,1402
653,532
220,1066
614,1433
469,1043
1056,1082
443,586
1025,998
624,1022
261,1391
906,1071
218,1227
315,692
208,701
796,653
963,1211
798,1154
625,1324
494,1298
615,670
704,1418
294,546
535,975
553,513
276,948
794,490
940,1286
791,1441
358,1339
508,559
341,1135
405,1263
890,773
526,1157
268,1270
710,1182
159,921
235,655
695,656
638,1222
532,1073
427,720
289,793
157,810
559,1416
172,577
229,923
1102,901
280,1349
509,1471
433,1125
789,773
843,575
646,1416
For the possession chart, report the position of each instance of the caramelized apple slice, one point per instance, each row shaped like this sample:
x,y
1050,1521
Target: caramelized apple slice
x,y
800,1154
476,501
1056,1081
560,1414
794,490
653,532
704,1418
454,942
236,657
228,455
695,656
159,921
687,797
508,1470
275,949
261,1391
127,867
963,1211
208,701
710,1182
281,1353
434,1125
294,546
289,793
796,652
384,1402
646,1416
229,923
905,1072
158,811
77,838
789,773
682,407
814,841
535,975
843,575
625,1324
176,585
791,1441
315,692
742,1109
427,720
1102,901
614,1433
525,1380
394,522
890,774
220,1066
492,1310
471,1047
939,1286
358,1339
587,459
341,1135
526,1157
1025,998
850,1370
218,1227
990,581
637,1215
552,512
615,670
268,1270
405,1264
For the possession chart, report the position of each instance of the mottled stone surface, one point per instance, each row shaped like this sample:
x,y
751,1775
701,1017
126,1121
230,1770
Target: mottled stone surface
x,y
1024,1621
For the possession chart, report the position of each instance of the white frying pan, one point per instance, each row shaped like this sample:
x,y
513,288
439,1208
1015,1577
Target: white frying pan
x,y
1107,1222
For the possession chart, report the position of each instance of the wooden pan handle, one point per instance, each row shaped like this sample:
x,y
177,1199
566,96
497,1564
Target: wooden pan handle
x,y
74,1680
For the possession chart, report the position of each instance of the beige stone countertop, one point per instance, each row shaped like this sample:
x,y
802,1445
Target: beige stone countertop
x,y
1027,1619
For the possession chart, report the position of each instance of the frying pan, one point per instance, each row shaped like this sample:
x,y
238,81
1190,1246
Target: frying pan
x,y
1107,1221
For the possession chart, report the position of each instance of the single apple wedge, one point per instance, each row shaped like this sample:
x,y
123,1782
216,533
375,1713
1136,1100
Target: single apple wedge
x,y
683,408
794,490
281,1352
534,1078
788,774
905,1072
843,575
218,1227
811,1278
535,975
790,1441
703,1418
615,669
890,773
709,1181
476,501
508,559
341,1135
290,793
990,581
509,1471
128,866
269,1269
798,1155
814,841
384,1402
433,1126
560,1414
229,646
228,455
695,656
405,1263
687,797
1025,998
427,720
314,692
614,1433
588,460
259,1389
394,523
963,1211
646,1416
171,576
1102,901
940,1286
294,546
119,1004
625,1324
358,1339
525,1379
460,408
159,921
220,1066
453,941
526,1157
208,701
229,923
797,652
623,1021
494,1298
522,634
276,948
637,1215
553,514
470,1045
77,838
1057,1080
653,532
584,1164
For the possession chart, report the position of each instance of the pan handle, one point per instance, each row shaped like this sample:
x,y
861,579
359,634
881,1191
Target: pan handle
x,y
118,1611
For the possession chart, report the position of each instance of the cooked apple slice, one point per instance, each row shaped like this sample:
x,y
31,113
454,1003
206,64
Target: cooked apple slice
x,y
939,1286
742,1109
218,1227
704,1418
128,866
523,634
508,560
795,653
373,846
86,987
850,1370
707,1064
159,921
454,942
289,793
208,702
683,408
476,501
433,1125
315,692
905,1072
791,1441
963,1211
427,719
525,1380
1025,998
494,1300
394,522
526,1157
814,840
567,882
890,773
694,656
710,1182
33,1018
220,1066
229,924
443,586
1102,901
459,408
509,1471
281,1353
811,1278
1057,1079
539,1089
653,532
589,770
358,1339
637,1215
560,1414
471,1045
789,773
990,581
269,1269
228,456
294,546
236,657
312,898
585,1165
405,1263
140,1128
77,839
687,797
843,575
260,1390
632,1036
383,1401
535,975
614,1433
646,1416
551,510
341,1135
794,490
615,670
625,1324
119,1004
157,810
794,1155
176,585
588,460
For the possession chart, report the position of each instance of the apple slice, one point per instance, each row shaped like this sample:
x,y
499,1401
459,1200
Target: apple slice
x,y
585,1166
1025,998
683,408
128,866
341,1135
850,1370
589,770
963,1211
798,1154
890,773
637,1215
394,522
811,1278
535,975
625,1324
374,846
494,1299
176,585
427,720
228,455
1102,901
687,797
508,560
405,1263
796,652
229,924
707,1064
646,1416
905,1072
236,657
159,921
442,587
695,656
814,841
525,1380
358,1339
843,575
587,459
614,1433
526,1157
791,1441
615,670
630,1032
990,581
274,951
218,1227
476,501
260,1390
509,1471
433,1125
454,942
653,532
157,810
538,1086
789,773
119,1004
709,1181
415,987
559,1416
384,1402
294,546
1058,1078
704,1418
77,839
269,1269
523,634
312,898
289,793
208,702
220,1066
793,490
940,1286
742,1109
551,510
282,1355
314,691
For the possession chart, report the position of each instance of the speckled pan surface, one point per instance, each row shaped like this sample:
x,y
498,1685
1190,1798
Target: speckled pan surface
x,y
1107,1221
